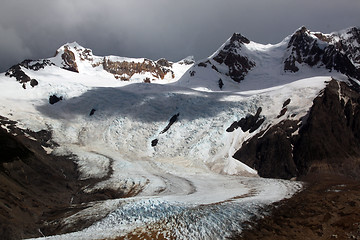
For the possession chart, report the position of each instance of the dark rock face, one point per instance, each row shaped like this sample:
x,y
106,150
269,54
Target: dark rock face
x,y
230,55
11,149
271,155
249,123
350,44
304,48
328,142
334,59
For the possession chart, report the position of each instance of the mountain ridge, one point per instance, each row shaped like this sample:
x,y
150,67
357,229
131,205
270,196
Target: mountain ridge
x,y
75,58
338,51
303,48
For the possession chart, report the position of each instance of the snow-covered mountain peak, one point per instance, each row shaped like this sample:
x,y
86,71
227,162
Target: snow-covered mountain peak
x,y
68,55
231,62
336,51
235,42
78,50
74,45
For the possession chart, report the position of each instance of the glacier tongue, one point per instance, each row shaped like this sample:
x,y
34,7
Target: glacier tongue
x,y
183,217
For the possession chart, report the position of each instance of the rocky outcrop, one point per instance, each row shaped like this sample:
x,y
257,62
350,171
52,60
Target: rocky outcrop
x,y
69,60
187,61
270,151
238,64
163,62
125,70
334,52
328,141
172,120
17,71
249,123
54,99
92,112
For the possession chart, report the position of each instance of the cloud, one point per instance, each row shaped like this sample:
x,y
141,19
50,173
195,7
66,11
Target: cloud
x,y
12,48
159,28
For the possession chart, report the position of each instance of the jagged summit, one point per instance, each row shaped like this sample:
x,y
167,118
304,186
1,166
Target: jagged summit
x,y
230,55
237,39
336,51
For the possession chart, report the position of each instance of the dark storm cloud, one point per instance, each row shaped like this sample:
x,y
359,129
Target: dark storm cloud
x,y
158,28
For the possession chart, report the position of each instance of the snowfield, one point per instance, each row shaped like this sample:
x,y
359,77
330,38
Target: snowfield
x,y
189,185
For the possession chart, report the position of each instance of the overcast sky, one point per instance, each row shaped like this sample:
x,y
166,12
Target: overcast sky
x,y
172,29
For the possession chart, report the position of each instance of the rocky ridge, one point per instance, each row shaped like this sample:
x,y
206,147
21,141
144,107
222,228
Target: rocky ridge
x,y
337,51
72,57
